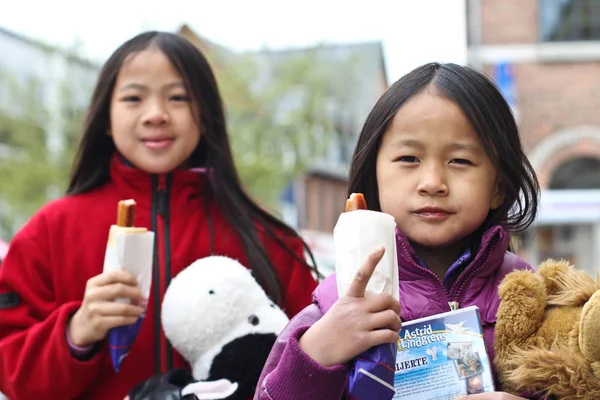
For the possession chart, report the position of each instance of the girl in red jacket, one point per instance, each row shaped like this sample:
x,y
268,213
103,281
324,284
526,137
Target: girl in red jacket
x,y
155,132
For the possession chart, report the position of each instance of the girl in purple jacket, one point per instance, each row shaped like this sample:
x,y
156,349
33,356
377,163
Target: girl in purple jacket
x,y
440,151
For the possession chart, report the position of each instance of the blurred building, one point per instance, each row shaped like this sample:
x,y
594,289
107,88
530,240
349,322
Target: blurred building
x,y
41,87
545,56
47,71
314,202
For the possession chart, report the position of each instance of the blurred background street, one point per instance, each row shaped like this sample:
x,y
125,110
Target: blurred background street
x,y
298,80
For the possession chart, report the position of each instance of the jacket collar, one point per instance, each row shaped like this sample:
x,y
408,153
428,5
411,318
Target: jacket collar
x,y
490,254
492,248
181,185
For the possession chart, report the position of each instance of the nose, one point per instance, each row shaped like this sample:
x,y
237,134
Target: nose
x,y
156,115
432,181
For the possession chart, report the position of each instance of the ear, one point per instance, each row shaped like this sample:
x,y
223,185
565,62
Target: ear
x,y
497,197
108,132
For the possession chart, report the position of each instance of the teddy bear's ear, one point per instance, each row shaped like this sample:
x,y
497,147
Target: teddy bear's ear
x,y
551,271
589,334
596,369
567,285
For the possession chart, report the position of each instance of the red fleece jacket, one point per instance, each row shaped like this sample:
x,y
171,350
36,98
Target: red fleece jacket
x,y
43,278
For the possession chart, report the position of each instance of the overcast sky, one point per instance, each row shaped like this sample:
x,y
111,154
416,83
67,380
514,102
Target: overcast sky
x,y
412,31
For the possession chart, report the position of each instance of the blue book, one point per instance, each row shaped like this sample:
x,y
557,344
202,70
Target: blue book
x,y
442,357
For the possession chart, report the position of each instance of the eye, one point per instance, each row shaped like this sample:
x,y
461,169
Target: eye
x,y
181,97
131,99
272,305
407,159
461,161
253,319
211,291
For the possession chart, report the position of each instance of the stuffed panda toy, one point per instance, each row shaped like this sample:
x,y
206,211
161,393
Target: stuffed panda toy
x,y
221,321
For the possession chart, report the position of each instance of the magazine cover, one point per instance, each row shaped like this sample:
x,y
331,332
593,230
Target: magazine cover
x,y
442,357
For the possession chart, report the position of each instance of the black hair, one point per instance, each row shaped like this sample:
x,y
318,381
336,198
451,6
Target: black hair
x,y
92,162
491,117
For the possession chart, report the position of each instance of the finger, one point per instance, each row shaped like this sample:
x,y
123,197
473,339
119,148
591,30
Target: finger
x,y
387,319
110,309
114,291
361,279
382,336
117,276
382,302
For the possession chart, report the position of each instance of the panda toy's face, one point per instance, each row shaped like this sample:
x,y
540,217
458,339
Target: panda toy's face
x,y
221,321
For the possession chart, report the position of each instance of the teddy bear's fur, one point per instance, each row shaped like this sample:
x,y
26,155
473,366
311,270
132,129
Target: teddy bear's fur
x,y
548,332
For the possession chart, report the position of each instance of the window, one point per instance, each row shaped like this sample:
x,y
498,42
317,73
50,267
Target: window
x,y
578,173
569,20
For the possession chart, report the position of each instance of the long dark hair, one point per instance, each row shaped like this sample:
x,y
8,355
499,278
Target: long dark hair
x,y
489,114
91,166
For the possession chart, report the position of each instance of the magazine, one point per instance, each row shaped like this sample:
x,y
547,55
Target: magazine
x,y
442,357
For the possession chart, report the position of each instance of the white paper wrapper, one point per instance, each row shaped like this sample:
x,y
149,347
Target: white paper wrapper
x,y
131,250
355,236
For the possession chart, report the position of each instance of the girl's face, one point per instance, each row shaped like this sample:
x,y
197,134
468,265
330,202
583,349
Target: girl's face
x,y
433,174
151,116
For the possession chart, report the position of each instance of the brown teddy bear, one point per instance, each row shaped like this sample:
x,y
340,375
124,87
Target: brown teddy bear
x,y
548,332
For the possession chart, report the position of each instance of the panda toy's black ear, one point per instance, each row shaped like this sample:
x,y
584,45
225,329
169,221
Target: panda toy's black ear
x,y
164,387
242,361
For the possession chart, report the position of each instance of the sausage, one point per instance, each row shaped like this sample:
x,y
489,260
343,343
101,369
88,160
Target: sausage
x,y
126,213
356,202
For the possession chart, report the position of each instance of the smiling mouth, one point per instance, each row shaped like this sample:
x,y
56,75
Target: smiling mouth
x,y
158,143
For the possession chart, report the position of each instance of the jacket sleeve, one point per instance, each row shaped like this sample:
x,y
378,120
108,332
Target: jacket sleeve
x,y
35,359
290,374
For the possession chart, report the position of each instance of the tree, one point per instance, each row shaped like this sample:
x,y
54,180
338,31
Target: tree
x,y
33,169
284,111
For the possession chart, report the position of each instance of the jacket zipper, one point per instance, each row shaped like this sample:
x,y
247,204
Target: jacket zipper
x,y
161,268
454,295
440,284
459,293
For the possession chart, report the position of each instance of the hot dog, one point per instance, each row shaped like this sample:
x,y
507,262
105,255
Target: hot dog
x,y
356,202
126,213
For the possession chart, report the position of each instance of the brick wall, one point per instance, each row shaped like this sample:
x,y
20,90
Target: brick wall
x,y
551,96
554,96
509,21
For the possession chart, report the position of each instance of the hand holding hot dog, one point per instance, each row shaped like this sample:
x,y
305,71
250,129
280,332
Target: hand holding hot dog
x,y
99,312
354,323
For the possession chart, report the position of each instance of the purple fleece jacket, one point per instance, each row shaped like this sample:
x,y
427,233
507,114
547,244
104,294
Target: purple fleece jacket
x,y
290,374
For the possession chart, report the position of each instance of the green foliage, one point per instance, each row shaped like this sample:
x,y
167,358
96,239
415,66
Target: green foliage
x,y
281,110
31,174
